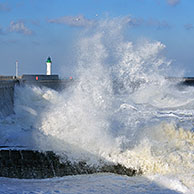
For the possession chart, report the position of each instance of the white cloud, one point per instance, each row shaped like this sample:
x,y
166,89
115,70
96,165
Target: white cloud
x,y
173,2
158,24
19,27
79,21
4,7
189,26
1,31
149,23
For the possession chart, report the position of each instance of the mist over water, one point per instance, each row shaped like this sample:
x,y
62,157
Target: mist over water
x,y
119,108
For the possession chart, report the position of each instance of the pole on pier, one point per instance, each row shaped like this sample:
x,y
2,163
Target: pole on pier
x,y
16,68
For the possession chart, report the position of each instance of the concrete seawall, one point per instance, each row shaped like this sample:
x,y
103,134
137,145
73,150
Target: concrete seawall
x,y
53,84
30,164
8,84
6,97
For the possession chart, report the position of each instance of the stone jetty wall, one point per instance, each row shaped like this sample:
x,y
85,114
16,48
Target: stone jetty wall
x,y
6,97
28,164
7,90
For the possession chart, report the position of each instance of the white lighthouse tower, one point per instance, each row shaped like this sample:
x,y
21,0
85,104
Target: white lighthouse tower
x,y
48,66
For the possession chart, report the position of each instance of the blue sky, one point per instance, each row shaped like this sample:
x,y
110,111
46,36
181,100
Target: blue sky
x,y
32,30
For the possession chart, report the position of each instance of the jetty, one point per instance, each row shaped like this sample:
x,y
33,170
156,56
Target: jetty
x,y
187,81
34,164
8,83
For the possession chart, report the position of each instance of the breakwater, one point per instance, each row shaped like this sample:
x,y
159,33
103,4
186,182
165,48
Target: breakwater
x,y
187,81
28,164
7,97
8,83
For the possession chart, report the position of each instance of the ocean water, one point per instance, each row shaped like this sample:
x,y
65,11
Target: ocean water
x,y
120,108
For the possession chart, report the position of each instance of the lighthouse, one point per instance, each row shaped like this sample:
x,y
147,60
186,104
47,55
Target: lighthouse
x,y
48,66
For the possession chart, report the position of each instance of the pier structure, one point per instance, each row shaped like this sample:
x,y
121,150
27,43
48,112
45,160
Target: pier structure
x,y
6,97
188,81
8,83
